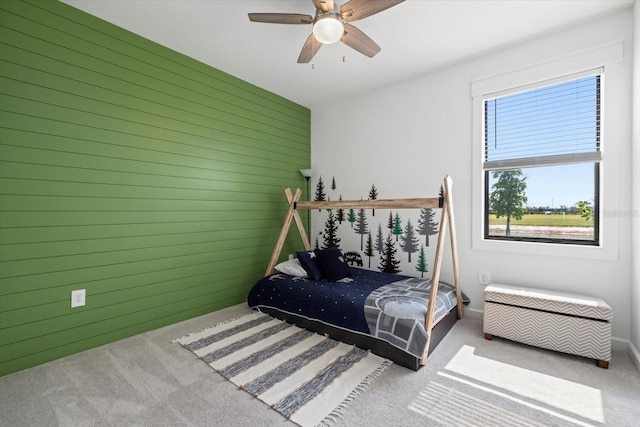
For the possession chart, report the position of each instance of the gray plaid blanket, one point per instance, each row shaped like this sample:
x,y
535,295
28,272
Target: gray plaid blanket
x,y
396,312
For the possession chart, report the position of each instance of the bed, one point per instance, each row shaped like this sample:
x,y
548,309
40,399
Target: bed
x,y
398,317
382,312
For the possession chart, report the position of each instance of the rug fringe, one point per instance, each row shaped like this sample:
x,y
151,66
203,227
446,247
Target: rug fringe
x,y
336,415
177,340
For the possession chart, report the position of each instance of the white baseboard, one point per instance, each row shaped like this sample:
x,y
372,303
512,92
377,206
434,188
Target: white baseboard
x,y
473,313
618,344
634,355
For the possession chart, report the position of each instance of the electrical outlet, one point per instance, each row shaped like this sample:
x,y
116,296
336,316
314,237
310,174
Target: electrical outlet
x,y
483,277
78,298
290,257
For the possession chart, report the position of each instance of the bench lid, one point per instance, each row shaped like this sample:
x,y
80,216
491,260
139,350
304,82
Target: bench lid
x,y
548,300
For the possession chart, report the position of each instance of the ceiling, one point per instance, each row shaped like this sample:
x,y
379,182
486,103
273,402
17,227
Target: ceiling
x,y
416,36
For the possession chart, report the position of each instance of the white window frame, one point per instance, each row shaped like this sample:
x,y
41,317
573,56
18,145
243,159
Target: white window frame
x,y
606,58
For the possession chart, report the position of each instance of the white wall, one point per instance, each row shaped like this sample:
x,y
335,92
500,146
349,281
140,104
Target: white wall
x,y
405,138
635,277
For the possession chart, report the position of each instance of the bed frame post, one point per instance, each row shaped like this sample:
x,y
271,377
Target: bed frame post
x,y
446,222
448,183
292,214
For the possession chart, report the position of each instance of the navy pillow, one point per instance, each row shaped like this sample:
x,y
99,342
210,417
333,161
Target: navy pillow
x,y
308,262
333,264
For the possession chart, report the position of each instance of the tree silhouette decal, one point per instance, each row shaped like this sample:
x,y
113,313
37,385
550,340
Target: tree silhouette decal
x,y
361,226
333,183
330,237
409,240
426,224
390,222
351,217
421,266
340,213
388,261
317,245
379,240
397,226
368,250
320,194
373,195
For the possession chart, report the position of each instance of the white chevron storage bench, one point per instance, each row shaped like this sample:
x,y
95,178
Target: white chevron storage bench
x,y
569,323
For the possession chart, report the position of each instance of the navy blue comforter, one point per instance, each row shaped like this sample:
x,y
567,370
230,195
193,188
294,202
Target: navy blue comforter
x,y
337,303
343,303
385,306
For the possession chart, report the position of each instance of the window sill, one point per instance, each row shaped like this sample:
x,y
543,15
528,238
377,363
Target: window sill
x,y
601,252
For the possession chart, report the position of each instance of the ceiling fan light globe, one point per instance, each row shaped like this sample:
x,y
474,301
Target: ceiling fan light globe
x,y
328,29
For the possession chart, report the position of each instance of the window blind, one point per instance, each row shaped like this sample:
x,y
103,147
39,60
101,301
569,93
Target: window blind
x,y
555,124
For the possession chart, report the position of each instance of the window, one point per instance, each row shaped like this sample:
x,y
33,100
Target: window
x,y
541,162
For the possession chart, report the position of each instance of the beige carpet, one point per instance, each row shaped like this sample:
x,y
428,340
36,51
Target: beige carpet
x,y
147,381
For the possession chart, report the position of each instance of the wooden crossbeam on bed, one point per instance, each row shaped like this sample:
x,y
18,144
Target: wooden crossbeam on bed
x,y
445,202
432,203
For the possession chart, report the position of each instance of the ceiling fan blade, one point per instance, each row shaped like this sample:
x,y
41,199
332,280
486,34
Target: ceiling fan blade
x,y
359,41
358,9
324,5
281,18
309,49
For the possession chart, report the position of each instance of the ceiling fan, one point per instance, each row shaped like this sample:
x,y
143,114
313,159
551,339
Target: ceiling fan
x,y
330,25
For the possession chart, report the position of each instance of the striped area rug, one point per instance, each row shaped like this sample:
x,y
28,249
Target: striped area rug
x,y
306,377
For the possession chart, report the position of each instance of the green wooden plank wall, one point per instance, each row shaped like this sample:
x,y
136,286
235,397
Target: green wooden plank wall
x,y
149,179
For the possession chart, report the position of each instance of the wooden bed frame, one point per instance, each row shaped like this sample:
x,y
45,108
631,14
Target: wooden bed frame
x,y
443,202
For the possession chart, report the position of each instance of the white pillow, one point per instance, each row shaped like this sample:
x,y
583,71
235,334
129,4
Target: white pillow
x,y
292,267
